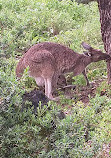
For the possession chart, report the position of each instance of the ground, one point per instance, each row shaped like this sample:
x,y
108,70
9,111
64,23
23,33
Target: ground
x,y
82,93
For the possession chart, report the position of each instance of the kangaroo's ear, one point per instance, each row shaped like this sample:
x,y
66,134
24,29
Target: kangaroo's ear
x,y
87,53
86,46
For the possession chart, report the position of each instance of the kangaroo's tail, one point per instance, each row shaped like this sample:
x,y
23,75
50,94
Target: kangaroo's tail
x,y
20,68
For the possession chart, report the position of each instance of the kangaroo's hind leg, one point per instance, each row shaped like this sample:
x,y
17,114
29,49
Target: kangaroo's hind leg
x,y
54,81
48,89
40,81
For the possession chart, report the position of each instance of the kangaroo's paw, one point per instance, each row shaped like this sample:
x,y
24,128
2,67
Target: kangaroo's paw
x,y
55,99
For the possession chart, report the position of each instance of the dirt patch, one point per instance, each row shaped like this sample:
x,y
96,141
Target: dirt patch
x,y
82,93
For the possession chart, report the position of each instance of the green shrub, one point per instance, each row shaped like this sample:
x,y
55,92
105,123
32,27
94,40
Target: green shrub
x,y
85,129
24,24
80,134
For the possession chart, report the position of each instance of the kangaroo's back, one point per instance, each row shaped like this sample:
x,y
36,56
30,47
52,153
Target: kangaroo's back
x,y
64,56
58,50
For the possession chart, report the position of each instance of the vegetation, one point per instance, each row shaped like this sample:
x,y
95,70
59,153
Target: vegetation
x,y
86,126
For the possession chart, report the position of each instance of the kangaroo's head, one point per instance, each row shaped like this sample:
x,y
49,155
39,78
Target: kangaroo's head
x,y
95,54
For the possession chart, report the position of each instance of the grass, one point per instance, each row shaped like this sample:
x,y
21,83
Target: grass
x,y
86,127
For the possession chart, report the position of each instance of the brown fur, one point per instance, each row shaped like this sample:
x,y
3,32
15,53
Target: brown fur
x,y
20,68
47,61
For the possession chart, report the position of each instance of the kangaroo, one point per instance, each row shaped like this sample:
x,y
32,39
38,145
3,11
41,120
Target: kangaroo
x,y
47,61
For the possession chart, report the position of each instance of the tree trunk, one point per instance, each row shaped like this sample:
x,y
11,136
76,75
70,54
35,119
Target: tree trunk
x,y
105,19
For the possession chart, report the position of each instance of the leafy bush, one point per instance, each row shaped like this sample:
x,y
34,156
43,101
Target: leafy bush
x,y
80,134
83,131
104,89
24,24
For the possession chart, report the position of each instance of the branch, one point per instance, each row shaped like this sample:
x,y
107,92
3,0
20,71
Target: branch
x,y
85,1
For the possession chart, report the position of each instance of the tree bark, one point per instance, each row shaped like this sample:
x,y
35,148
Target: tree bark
x,y
105,20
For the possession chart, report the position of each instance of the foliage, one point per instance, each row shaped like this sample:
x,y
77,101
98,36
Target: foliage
x,y
23,134
85,128
24,23
104,88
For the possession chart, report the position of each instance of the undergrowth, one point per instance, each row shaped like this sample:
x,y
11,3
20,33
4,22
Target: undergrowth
x,y
85,129
80,134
